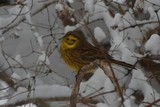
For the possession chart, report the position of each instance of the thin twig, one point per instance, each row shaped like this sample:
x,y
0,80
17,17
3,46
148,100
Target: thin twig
x,y
76,87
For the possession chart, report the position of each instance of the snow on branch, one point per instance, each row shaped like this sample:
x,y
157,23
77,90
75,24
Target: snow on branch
x,y
45,92
43,59
36,11
139,82
152,45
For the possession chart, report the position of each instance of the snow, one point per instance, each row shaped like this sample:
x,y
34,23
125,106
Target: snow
x,y
130,102
43,91
96,82
3,92
4,22
145,4
18,58
39,39
28,105
3,101
18,28
59,7
152,45
102,105
99,34
119,1
117,38
2,39
69,28
151,12
16,76
43,59
117,20
28,53
21,11
89,6
119,43
70,1
112,97
139,82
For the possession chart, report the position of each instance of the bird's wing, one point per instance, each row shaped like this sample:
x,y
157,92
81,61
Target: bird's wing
x,y
92,54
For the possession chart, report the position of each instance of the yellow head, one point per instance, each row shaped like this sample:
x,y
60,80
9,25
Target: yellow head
x,y
70,41
74,48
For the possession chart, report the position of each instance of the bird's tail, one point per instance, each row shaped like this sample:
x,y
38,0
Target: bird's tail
x,y
123,64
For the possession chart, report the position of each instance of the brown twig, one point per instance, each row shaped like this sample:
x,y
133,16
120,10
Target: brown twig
x,y
31,100
107,70
4,77
32,14
151,104
75,90
106,67
76,87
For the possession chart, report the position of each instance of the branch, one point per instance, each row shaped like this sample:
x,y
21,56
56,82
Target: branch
x,y
107,70
4,77
138,23
106,67
79,78
32,14
151,104
33,100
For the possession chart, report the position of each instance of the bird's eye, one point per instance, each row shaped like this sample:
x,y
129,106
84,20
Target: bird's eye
x,y
67,38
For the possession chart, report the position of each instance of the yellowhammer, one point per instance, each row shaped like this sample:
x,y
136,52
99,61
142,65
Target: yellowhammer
x,y
77,52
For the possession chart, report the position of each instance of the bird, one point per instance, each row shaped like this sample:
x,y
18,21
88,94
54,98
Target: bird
x,y
77,52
